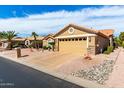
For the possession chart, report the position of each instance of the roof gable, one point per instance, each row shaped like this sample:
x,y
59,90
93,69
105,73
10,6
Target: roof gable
x,y
48,36
104,34
78,28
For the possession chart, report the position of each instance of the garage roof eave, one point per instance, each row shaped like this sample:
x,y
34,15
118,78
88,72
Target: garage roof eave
x,y
75,36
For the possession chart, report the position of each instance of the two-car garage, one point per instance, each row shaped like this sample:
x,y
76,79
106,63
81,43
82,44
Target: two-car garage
x,y
73,45
75,39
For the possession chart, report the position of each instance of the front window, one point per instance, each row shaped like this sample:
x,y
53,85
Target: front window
x,y
84,38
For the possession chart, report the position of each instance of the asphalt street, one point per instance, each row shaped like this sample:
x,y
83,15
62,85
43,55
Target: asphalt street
x,y
15,75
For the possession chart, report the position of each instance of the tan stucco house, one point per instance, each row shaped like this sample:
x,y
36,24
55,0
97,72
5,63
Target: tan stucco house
x,y
77,39
47,39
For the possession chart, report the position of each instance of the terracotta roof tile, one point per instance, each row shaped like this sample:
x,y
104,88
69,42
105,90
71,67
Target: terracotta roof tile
x,y
107,32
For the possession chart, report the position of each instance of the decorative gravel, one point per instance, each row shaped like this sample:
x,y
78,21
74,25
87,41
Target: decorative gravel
x,y
99,73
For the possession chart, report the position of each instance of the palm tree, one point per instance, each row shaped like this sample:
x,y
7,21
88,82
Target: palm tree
x,y
35,38
9,35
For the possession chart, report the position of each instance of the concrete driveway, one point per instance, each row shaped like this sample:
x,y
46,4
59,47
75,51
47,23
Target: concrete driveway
x,y
63,62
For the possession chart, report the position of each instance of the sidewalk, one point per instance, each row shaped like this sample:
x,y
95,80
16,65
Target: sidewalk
x,y
116,78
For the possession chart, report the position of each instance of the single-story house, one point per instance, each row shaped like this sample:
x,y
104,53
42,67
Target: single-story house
x,y
17,41
23,42
77,39
47,39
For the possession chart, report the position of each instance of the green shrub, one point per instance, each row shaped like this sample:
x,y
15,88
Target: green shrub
x,y
109,50
30,46
49,47
15,45
52,43
106,52
45,47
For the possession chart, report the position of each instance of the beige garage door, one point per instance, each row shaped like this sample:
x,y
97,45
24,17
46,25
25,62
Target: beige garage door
x,y
76,45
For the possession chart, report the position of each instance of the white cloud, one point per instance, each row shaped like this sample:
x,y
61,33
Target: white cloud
x,y
107,17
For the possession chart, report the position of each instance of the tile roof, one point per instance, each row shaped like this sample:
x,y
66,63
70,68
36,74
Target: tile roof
x,y
107,32
32,38
104,33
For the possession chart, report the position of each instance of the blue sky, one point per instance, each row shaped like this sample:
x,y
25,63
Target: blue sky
x,y
8,11
44,19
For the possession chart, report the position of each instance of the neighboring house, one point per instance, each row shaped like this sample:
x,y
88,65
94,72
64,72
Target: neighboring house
x,y
16,42
47,39
22,42
19,42
76,39
30,41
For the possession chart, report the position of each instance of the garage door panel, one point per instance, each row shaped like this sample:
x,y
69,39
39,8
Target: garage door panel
x,y
72,46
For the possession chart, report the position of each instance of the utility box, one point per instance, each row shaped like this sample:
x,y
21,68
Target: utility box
x,y
18,52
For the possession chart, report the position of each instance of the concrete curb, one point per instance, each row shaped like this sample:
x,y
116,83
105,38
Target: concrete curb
x,y
69,78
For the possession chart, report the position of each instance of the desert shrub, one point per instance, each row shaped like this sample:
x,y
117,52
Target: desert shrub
x,y
109,50
45,47
106,52
15,45
49,47
30,46
52,43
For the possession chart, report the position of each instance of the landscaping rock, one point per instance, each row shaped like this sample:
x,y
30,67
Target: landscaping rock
x,y
99,73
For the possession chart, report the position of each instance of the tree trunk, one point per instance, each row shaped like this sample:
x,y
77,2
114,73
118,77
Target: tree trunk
x,y
36,44
10,45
